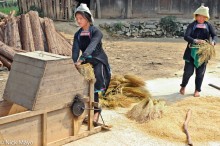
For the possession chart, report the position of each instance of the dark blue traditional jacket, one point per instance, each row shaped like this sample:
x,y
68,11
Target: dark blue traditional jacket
x,y
193,33
91,46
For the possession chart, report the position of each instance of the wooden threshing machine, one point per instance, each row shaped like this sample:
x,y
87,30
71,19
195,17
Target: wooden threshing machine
x,y
36,109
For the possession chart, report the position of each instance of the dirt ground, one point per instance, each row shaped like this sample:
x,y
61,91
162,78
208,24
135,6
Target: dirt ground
x,y
149,58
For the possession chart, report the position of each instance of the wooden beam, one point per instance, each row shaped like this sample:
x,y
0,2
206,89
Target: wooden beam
x,y
44,129
23,115
75,126
91,100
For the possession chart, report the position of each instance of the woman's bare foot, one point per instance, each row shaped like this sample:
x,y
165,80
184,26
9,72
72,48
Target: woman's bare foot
x,y
182,90
196,94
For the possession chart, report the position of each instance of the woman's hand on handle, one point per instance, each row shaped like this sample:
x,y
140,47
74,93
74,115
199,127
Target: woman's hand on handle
x,y
197,41
78,63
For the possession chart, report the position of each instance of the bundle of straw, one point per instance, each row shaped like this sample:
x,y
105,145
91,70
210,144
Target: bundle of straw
x,y
124,90
206,51
87,71
146,110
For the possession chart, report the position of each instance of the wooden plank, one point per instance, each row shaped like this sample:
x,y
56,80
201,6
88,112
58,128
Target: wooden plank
x,y
44,131
56,82
60,74
74,138
19,57
59,124
57,100
18,89
28,69
23,131
24,115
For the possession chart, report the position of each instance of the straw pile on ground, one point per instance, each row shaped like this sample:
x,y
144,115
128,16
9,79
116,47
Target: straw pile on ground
x,y
206,51
128,89
204,124
123,91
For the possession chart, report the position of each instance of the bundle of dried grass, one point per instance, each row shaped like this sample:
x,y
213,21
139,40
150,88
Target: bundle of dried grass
x,y
87,71
124,90
146,110
135,80
206,51
139,92
113,101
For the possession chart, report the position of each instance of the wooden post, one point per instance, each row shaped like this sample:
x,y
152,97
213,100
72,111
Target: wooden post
x,y
69,10
91,100
99,9
57,9
44,131
129,9
75,126
44,7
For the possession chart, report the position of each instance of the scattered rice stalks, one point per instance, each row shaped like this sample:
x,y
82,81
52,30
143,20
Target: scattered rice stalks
x,y
113,101
136,92
206,51
135,80
87,71
146,110
124,90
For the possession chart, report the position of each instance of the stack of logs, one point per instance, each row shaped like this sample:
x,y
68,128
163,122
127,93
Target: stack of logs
x,y
28,32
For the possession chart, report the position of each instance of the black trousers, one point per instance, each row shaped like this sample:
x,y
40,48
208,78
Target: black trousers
x,y
103,77
188,72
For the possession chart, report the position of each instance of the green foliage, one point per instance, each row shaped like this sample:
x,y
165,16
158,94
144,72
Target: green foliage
x,y
169,25
7,10
118,26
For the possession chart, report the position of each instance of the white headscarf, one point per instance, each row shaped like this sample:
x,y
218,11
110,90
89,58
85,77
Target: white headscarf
x,y
84,8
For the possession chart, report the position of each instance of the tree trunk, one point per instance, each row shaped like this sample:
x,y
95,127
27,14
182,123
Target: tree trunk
x,y
26,34
6,62
6,51
1,35
42,22
12,34
51,36
36,31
